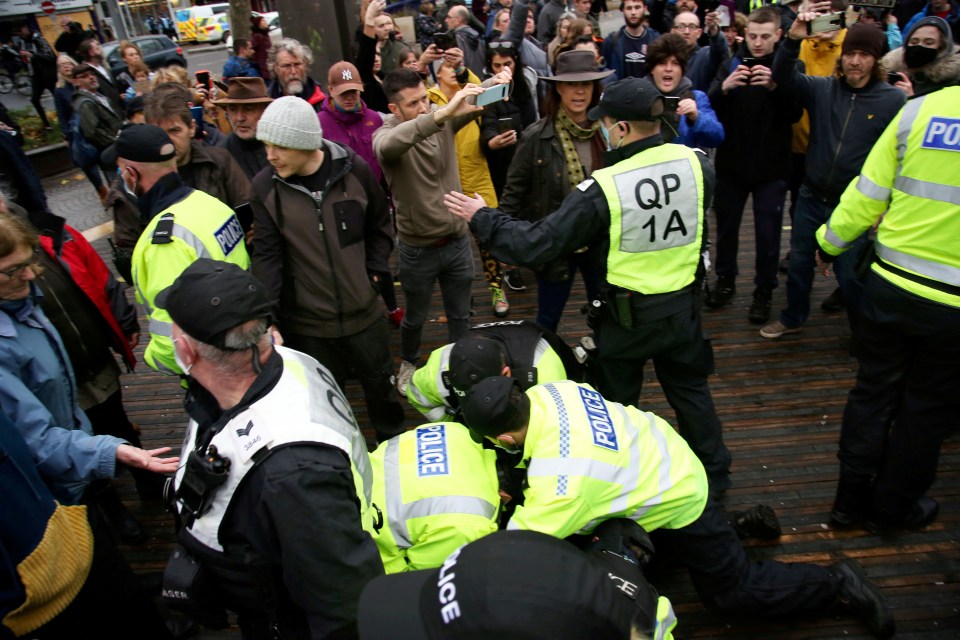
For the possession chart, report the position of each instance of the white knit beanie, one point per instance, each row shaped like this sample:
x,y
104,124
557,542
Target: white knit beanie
x,y
292,123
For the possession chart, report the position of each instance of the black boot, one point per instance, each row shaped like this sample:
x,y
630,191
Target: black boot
x,y
918,515
863,599
721,292
852,501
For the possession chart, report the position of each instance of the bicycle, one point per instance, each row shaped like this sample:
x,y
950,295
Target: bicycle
x,y
20,81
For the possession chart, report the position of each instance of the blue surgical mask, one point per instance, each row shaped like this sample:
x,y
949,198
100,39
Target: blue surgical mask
x,y
605,132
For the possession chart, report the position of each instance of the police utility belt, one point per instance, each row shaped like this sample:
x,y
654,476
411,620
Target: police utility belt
x,y
631,309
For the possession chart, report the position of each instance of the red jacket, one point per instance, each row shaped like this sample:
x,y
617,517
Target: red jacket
x,y
91,274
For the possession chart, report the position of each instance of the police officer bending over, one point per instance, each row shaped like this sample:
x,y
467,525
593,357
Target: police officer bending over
x,y
643,218
589,460
275,492
517,348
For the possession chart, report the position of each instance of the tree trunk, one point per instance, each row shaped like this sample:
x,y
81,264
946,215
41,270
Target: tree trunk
x,y
240,19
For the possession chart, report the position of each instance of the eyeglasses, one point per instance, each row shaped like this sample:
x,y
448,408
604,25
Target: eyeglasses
x,y
686,27
17,270
291,65
499,44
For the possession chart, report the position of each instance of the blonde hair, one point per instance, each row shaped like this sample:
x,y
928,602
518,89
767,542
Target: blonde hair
x,y
62,80
173,73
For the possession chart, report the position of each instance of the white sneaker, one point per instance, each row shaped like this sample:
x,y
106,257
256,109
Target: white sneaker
x,y
406,372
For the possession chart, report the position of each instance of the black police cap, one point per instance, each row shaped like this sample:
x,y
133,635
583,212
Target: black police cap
x,y
140,143
630,99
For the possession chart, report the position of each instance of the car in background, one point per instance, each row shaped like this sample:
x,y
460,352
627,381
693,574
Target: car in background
x,y
158,51
273,24
213,29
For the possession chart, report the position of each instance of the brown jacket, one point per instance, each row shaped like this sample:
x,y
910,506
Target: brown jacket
x,y
419,161
314,256
214,171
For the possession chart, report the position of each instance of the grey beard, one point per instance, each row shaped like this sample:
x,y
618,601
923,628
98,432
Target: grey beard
x,y
294,88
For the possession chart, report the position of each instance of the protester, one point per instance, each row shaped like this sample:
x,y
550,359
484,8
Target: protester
x,y
929,59
260,41
91,53
41,61
244,103
289,64
625,50
63,99
241,62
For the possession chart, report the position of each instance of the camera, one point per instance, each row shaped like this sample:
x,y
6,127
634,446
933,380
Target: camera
x,y
202,475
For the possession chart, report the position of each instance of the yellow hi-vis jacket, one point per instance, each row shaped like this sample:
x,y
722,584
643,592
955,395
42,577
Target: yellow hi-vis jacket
x,y
590,460
437,490
912,174
199,226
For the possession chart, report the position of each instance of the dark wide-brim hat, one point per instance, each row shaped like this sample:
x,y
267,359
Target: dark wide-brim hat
x,y
576,66
242,90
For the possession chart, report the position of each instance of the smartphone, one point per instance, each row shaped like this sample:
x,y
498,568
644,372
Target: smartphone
x,y
749,62
244,215
496,93
670,103
446,40
197,113
203,78
893,77
505,124
827,22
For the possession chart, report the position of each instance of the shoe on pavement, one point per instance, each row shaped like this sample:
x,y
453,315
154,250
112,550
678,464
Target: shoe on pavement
x,y
852,499
759,521
406,372
776,329
785,263
921,513
721,292
834,301
499,301
396,316
760,309
514,280
863,599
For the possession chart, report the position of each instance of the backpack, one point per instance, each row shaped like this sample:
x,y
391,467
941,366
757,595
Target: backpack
x,y
82,152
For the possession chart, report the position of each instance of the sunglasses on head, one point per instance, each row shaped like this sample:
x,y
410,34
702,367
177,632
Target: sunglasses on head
x,y
500,46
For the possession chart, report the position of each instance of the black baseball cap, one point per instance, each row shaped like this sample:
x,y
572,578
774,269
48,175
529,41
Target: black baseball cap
x,y
473,358
211,297
491,405
510,584
629,99
140,143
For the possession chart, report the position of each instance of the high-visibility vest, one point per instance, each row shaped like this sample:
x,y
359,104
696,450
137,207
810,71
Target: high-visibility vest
x,y
911,179
437,490
656,219
199,226
590,460
305,407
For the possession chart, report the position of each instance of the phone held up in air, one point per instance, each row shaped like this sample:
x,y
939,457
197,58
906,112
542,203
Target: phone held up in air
x,y
505,124
197,113
446,40
496,93
203,78
827,22
670,103
893,77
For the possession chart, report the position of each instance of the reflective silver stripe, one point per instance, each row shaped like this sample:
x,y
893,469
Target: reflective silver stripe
x,y
161,328
872,190
545,467
930,190
188,236
663,478
399,513
630,476
541,349
907,117
927,268
831,237
165,370
669,621
394,506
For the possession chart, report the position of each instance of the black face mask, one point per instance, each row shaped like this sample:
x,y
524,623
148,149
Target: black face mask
x,y
916,56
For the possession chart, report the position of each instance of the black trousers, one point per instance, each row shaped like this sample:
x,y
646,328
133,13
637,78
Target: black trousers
x,y
41,82
728,204
366,357
682,358
729,582
112,603
907,395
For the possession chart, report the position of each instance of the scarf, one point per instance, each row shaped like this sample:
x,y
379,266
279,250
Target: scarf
x,y
567,131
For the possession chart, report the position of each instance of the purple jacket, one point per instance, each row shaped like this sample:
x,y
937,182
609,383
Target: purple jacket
x,y
354,130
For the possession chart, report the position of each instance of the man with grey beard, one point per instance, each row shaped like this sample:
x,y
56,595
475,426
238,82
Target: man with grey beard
x,y
289,61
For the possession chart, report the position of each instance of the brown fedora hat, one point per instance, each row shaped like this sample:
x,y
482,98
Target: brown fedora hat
x,y
576,66
241,90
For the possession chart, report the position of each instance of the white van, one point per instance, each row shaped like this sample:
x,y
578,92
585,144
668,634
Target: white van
x,y
188,18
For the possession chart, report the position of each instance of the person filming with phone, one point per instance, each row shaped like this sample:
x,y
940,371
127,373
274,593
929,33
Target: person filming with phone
x,y
848,112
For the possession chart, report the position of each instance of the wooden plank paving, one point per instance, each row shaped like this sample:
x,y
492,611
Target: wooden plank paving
x,y
780,403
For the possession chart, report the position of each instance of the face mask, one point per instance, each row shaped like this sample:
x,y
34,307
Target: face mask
x,y
176,358
123,183
605,132
916,56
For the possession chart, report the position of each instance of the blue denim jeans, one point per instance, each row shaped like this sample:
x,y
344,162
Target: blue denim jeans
x,y
552,296
811,213
420,267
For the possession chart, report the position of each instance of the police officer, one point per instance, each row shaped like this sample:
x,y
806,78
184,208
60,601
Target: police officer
x,y
184,224
275,492
518,584
529,352
590,460
643,218
437,491
907,394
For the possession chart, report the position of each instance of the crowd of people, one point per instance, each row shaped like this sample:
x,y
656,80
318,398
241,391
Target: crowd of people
x,y
260,221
